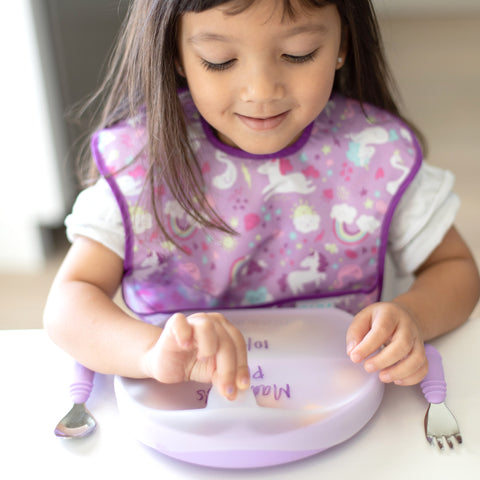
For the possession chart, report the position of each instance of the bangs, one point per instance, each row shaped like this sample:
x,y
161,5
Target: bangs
x,y
234,7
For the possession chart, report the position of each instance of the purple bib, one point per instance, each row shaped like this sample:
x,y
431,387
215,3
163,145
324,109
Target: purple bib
x,y
313,219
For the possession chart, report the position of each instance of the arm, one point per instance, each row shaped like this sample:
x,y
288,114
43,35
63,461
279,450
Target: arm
x,y
81,317
445,291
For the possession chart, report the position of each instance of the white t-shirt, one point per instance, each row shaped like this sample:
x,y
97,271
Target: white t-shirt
x,y
423,216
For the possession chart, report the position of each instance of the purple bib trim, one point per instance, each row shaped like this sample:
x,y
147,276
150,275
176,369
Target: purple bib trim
x,y
236,152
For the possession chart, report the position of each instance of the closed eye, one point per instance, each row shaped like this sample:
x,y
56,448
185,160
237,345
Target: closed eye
x,y
300,58
217,67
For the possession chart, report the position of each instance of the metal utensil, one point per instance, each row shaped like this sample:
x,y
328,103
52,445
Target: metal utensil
x,y
440,425
78,422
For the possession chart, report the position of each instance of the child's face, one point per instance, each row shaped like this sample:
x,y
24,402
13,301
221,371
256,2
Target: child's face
x,y
258,80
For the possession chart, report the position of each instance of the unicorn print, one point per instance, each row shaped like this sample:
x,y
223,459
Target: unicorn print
x,y
315,265
281,181
397,162
227,179
360,149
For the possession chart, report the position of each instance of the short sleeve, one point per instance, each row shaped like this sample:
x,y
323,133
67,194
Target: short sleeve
x,y
423,216
96,215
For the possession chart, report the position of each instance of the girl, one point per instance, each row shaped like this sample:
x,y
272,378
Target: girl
x,y
251,155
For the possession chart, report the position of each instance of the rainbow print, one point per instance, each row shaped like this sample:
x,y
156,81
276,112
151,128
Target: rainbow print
x,y
182,229
348,234
236,268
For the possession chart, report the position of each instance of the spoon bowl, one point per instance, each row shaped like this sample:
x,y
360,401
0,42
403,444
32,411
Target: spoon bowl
x,y
77,423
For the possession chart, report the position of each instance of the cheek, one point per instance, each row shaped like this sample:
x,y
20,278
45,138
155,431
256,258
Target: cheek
x,y
210,95
201,89
314,91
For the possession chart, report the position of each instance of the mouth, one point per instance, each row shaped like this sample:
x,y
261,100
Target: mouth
x,y
265,123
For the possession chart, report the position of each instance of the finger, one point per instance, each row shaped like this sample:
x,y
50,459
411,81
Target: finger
x,y
395,351
408,371
178,328
382,329
226,364
357,330
232,362
205,335
214,342
243,373
414,378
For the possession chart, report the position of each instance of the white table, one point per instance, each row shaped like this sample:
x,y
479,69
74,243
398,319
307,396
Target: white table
x,y
34,396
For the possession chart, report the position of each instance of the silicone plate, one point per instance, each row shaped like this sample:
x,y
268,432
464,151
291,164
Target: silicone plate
x,y
306,396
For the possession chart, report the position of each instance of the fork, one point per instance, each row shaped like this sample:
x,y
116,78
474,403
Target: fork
x,y
440,424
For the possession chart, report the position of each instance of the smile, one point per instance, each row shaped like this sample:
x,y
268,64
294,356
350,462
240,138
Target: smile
x,y
262,124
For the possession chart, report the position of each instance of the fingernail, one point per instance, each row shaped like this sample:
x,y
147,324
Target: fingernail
x,y
350,347
355,357
386,377
244,382
230,390
369,367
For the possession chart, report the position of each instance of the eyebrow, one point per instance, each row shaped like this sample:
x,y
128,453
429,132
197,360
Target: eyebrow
x,y
297,30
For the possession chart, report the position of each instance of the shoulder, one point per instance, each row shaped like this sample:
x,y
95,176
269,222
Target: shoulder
x,y
425,213
364,123
430,190
96,215
367,136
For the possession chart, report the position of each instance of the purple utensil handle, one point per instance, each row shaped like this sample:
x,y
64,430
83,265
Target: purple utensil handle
x,y
434,387
82,384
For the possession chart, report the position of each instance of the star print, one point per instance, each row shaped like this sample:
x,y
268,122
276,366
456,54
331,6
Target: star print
x,y
326,149
368,204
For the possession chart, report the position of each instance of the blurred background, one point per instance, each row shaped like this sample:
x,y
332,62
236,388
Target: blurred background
x,y
53,52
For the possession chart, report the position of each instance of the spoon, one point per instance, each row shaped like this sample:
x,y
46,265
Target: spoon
x,y
78,422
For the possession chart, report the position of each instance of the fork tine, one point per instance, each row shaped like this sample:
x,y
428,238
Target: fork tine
x,y
440,424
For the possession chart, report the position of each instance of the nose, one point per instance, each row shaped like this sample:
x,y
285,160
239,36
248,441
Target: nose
x,y
262,83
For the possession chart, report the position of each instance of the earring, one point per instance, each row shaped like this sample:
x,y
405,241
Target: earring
x,y
179,68
339,60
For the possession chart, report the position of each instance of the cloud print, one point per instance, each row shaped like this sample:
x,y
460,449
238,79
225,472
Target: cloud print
x,y
367,223
141,219
130,185
343,213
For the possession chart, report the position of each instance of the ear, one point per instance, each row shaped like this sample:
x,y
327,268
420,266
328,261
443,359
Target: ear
x,y
179,68
343,50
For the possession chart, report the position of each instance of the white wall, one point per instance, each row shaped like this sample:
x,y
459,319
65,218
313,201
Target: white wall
x,y
30,190
428,7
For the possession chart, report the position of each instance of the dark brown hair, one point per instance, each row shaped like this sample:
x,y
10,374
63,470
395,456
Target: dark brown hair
x,y
142,73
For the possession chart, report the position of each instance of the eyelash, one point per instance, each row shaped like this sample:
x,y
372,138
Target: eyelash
x,y
220,67
217,67
302,58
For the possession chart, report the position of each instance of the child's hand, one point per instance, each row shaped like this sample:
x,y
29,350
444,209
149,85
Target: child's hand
x,y
402,359
203,347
